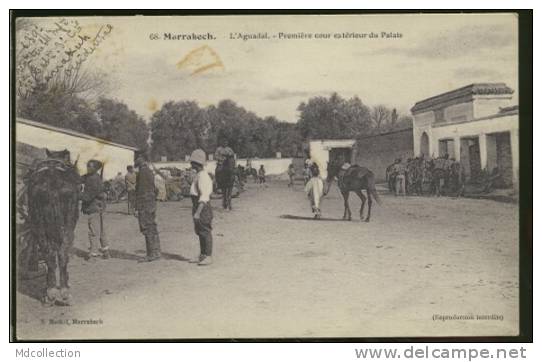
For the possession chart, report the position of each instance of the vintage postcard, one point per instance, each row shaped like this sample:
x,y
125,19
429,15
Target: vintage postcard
x,y
266,176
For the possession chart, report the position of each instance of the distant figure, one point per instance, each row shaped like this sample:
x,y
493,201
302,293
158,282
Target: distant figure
x,y
261,175
93,206
315,190
399,171
291,174
225,172
160,184
119,178
130,183
223,151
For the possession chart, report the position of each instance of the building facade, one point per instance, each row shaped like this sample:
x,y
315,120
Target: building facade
x,y
476,125
33,137
323,151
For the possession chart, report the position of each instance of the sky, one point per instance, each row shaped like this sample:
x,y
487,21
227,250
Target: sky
x,y
435,54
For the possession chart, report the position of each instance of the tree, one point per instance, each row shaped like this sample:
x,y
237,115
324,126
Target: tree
x,y
333,118
180,127
380,116
53,83
404,122
288,139
233,123
177,129
120,124
59,109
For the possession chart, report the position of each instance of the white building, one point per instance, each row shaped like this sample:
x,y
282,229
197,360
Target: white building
x,y
322,151
475,124
39,135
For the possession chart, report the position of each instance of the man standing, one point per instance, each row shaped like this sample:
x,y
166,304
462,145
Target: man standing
x,y
315,190
200,192
130,182
399,171
146,206
223,151
93,206
291,175
261,175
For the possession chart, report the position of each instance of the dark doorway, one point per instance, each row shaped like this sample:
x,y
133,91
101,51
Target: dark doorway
x,y
470,157
424,145
499,155
340,155
446,147
474,157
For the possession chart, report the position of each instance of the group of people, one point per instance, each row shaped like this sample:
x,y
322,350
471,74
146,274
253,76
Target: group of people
x,y
142,191
410,177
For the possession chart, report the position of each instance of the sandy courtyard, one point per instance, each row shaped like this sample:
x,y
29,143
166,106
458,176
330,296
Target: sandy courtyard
x,y
418,258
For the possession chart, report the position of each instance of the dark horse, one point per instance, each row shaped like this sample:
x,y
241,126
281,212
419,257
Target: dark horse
x,y
53,192
356,178
225,176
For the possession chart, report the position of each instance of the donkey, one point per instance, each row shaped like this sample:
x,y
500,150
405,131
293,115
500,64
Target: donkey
x,y
356,178
53,194
225,177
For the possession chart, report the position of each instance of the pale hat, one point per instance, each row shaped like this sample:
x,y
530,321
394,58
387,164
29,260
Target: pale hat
x,y
198,156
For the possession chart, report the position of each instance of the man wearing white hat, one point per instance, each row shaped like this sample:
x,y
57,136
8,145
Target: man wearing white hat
x,y
200,191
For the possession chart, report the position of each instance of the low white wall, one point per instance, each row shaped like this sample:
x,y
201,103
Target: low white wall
x,y
183,165
115,158
273,166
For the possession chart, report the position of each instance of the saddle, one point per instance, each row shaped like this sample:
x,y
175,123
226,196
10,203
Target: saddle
x,y
348,171
353,170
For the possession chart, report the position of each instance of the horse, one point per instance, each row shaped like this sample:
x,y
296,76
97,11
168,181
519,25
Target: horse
x,y
53,200
250,171
356,178
225,177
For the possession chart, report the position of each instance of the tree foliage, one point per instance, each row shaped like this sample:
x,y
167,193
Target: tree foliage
x,y
60,109
180,127
121,124
333,118
109,119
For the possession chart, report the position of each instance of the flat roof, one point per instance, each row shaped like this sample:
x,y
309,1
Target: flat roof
x,y
332,140
71,133
466,91
507,113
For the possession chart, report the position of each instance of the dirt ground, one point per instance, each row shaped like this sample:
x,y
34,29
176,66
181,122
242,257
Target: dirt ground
x,y
272,277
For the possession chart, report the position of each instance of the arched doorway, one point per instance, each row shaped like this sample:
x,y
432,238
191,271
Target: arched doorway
x,y
424,145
